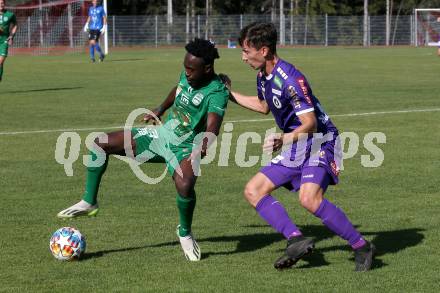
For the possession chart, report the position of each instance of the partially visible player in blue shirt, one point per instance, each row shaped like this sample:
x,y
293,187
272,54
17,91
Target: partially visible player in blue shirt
x,y
285,92
96,25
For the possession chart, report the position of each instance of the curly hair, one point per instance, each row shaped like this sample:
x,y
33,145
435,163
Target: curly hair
x,y
203,49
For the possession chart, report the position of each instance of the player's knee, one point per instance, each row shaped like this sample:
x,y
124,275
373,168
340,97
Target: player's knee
x,y
309,200
251,194
185,187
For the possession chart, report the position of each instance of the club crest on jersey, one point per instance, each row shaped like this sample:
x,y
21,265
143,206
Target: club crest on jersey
x,y
276,102
197,99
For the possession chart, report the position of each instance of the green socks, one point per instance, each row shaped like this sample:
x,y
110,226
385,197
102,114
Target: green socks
x,y
94,175
1,72
186,207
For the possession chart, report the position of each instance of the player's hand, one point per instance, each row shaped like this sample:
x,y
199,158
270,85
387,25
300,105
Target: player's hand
x,y
226,80
273,142
10,40
153,118
103,29
86,28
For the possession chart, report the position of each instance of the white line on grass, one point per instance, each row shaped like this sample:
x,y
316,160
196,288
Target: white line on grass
x,y
232,121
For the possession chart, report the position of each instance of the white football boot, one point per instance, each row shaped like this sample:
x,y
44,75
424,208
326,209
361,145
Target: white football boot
x,y
189,246
82,208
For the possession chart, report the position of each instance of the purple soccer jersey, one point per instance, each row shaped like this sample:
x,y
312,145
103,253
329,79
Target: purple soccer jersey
x,y
288,95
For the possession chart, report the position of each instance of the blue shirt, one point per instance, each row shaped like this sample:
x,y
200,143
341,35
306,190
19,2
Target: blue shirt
x,y
96,15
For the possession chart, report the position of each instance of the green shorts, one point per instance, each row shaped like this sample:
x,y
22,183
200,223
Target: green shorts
x,y
4,46
154,145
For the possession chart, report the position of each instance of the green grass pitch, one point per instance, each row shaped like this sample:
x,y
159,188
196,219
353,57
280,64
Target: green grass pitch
x,y
131,244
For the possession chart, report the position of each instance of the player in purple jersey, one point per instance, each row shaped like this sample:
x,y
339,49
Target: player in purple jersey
x,y
306,164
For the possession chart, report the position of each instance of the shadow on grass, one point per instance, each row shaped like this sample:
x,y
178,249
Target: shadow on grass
x,y
385,241
42,90
125,60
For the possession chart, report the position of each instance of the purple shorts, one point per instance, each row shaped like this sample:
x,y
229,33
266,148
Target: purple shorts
x,y
323,173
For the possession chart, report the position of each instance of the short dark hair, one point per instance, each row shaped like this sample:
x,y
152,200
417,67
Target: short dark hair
x,y
259,34
203,49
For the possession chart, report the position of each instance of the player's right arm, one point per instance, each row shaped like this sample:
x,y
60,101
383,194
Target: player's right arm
x,y
166,104
12,31
250,102
86,26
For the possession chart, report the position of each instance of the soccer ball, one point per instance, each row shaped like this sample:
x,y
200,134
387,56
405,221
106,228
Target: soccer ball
x,y
67,243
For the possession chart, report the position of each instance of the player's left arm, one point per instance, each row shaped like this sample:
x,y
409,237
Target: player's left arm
x,y
216,111
299,91
13,31
213,126
104,22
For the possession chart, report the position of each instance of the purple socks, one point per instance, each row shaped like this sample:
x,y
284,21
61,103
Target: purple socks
x,y
335,219
275,215
331,216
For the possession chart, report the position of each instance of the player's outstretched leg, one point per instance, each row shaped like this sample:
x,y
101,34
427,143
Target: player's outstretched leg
x,y
273,212
186,203
88,206
336,220
311,197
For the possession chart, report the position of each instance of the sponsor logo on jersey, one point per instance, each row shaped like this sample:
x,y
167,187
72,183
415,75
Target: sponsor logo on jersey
x,y
277,159
197,99
292,91
278,82
276,92
309,176
302,84
276,102
184,99
335,168
283,74
297,104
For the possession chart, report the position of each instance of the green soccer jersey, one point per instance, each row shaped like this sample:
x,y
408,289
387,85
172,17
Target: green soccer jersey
x,y
7,18
188,115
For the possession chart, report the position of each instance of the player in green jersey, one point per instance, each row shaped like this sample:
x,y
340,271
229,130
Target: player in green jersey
x,y
196,105
8,28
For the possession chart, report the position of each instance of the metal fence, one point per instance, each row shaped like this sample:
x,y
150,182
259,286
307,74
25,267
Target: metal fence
x,y
153,30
